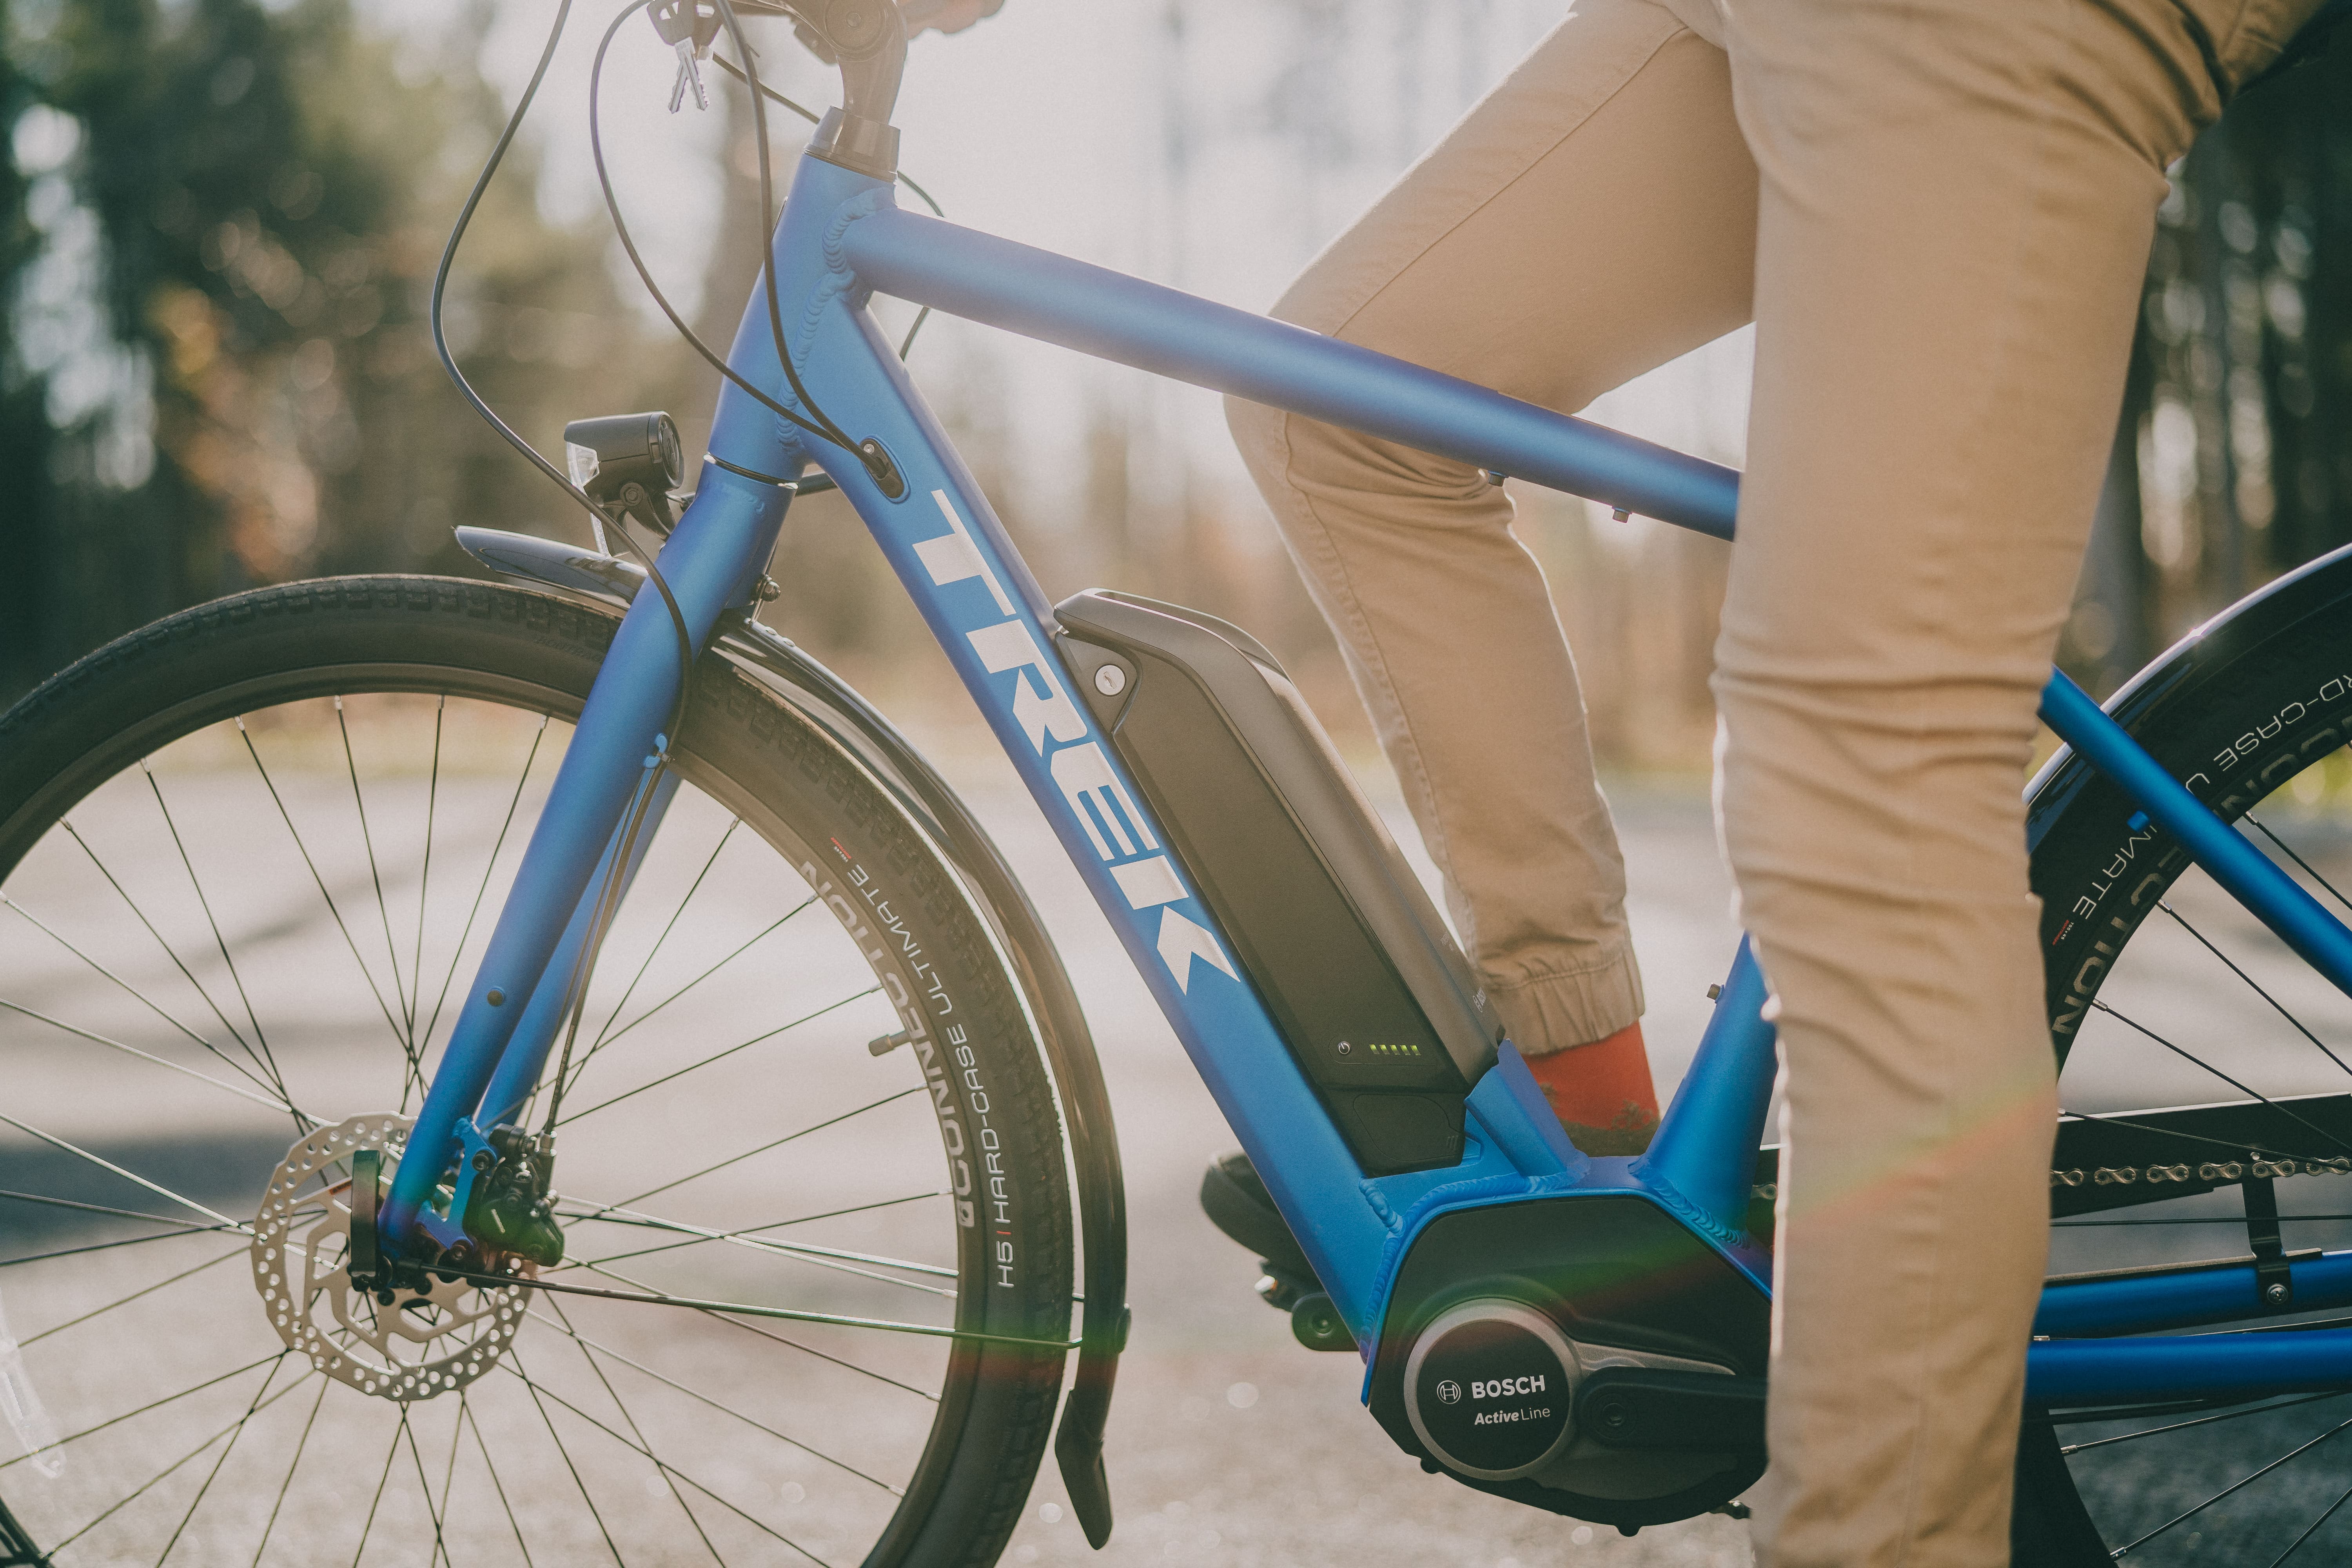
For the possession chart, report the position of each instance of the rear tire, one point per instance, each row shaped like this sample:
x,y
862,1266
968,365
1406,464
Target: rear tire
x,y
2254,717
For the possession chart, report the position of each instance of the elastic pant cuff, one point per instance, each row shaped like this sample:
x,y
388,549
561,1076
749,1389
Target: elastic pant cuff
x,y
1558,1011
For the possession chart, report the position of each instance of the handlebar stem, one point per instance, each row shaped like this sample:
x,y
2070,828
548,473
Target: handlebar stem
x,y
868,38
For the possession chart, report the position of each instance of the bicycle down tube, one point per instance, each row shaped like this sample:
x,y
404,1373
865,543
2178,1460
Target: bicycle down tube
x,y
841,238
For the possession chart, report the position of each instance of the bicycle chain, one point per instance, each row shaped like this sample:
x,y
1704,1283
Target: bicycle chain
x,y
2125,1175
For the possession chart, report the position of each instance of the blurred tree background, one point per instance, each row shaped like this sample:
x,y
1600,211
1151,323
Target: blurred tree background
x,y
2234,458
219,221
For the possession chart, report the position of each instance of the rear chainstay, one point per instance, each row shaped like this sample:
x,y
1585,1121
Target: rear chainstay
x,y
2234,711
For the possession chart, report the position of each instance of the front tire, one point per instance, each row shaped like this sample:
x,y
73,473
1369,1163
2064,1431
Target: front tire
x,y
244,854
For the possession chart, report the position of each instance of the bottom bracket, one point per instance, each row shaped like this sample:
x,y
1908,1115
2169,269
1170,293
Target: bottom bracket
x,y
1489,1387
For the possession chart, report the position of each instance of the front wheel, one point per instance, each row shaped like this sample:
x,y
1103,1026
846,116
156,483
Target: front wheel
x,y
2164,993
248,859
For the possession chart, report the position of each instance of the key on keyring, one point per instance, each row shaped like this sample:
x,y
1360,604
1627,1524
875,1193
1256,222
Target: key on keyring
x,y
689,70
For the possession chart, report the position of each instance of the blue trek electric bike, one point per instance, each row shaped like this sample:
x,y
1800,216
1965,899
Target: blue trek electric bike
x,y
686,1105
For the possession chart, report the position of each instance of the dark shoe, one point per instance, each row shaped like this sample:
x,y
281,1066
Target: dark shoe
x,y
1236,1202
1236,1199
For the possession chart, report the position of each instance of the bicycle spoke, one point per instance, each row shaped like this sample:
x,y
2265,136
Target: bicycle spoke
x,y
775,1338
508,1366
2313,1528
506,825
425,877
722,1055
135,993
169,950
448,1484
2199,1061
628,1217
214,1474
126,1301
747,1153
126,1175
407,1044
2275,1006
2199,1421
513,1363
2308,870
300,1444
151,1404
376,1502
110,1246
268,1060
587,1344
824,1256
696,1236
675,915
590,1054
647,1298
102,1208
125,1501
635,1430
367,841
465,1414
423,1487
2233,1486
737,1322
304,1120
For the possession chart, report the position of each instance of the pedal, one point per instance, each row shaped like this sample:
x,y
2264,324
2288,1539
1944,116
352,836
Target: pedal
x,y
1315,1323
1281,1290
1234,1198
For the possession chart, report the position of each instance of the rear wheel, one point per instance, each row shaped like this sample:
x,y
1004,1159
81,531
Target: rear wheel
x,y
248,858
2163,993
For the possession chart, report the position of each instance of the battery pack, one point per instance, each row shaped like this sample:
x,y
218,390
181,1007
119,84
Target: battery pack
x,y
1333,929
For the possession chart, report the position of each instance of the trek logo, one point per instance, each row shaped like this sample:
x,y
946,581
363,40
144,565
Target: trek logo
x,y
1505,1387
1043,708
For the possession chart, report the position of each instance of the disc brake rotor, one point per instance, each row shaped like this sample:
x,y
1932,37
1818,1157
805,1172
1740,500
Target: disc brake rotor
x,y
401,1344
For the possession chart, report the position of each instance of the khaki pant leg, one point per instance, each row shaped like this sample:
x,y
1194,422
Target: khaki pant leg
x,y
1958,198
1589,219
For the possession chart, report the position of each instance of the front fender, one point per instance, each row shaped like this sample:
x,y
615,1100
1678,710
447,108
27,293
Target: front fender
x,y
853,723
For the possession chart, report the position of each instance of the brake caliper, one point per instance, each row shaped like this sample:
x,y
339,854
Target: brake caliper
x,y
511,1209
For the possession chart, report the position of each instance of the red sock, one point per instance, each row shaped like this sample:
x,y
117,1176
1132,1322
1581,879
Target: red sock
x,y
1602,1092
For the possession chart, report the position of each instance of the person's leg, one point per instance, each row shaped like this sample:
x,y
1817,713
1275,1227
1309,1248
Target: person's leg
x,y
1958,198
1589,219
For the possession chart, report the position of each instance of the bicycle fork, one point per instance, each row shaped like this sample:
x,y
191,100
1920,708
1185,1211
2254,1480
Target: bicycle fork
x,y
514,1010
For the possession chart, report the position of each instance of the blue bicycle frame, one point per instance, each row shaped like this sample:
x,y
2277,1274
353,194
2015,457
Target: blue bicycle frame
x,y
843,238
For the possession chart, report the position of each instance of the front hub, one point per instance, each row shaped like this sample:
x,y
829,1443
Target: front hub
x,y
432,1334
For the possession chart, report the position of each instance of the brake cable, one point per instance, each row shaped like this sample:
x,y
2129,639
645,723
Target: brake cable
x,y
827,430
817,423
869,454
562,480
772,96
